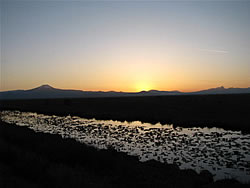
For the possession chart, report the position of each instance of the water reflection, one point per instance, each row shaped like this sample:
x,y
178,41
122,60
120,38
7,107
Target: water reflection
x,y
224,153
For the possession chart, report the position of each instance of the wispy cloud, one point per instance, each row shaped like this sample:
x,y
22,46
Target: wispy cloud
x,y
214,51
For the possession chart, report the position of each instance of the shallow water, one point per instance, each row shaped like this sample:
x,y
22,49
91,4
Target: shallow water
x,y
226,154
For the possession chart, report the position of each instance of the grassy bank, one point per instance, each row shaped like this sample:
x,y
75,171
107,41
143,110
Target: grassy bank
x,y
225,111
29,159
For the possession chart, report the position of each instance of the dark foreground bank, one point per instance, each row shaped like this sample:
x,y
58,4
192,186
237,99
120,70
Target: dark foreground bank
x,y
29,159
230,112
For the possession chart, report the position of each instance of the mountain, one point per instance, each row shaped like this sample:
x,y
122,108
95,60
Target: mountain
x,y
49,92
158,93
44,91
222,90
45,87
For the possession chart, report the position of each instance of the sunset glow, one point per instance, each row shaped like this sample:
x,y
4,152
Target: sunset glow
x,y
125,46
144,86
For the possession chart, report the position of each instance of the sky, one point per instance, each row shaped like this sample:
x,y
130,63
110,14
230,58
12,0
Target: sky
x,y
125,45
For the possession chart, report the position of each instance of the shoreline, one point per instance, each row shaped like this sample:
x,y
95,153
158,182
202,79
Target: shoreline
x,y
28,157
230,112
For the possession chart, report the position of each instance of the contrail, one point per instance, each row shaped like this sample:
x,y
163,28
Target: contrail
x,y
214,51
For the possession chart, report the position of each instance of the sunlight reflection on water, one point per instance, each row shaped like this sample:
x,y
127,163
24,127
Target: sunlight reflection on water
x,y
224,153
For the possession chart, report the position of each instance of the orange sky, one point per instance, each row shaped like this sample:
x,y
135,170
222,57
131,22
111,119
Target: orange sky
x,y
125,46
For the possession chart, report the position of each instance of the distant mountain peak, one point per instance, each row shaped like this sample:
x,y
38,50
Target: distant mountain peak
x,y
44,87
221,87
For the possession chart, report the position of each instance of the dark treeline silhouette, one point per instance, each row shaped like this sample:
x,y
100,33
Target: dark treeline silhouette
x,y
30,159
229,111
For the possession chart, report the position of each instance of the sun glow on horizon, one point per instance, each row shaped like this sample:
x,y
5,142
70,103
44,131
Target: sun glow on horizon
x,y
143,86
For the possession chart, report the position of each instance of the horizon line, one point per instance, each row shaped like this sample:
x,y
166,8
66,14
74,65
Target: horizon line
x,y
122,91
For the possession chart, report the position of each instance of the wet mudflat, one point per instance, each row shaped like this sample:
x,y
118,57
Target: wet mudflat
x,y
224,153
